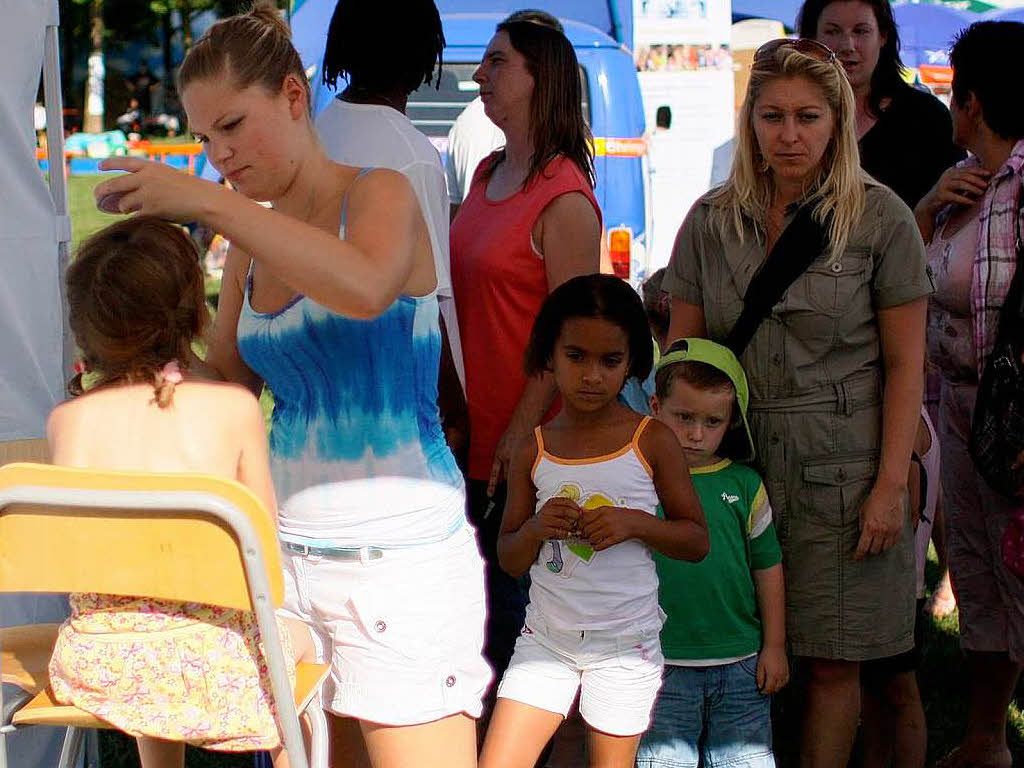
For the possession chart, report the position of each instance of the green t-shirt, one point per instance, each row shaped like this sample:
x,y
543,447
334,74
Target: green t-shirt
x,y
712,605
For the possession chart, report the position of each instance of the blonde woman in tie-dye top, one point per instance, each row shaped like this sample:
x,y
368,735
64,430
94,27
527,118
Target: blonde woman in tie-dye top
x,y
329,299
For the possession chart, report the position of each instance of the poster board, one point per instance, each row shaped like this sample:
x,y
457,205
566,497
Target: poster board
x,y
684,62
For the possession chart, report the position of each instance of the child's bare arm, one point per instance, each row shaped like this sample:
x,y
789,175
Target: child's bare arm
x,y
684,517
522,532
773,666
683,534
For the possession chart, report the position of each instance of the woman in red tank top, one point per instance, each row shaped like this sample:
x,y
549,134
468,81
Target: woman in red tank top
x,y
530,223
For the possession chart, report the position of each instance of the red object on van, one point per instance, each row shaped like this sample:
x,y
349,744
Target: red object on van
x,y
620,246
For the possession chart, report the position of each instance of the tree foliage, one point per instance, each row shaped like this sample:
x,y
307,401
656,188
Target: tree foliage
x,y
164,23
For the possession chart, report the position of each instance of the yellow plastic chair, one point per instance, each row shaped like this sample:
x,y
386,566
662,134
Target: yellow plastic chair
x,y
184,537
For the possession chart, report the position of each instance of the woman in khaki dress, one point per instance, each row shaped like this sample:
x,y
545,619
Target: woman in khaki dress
x,y
835,370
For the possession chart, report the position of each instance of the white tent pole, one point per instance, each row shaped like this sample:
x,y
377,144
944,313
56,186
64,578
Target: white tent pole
x,y
58,178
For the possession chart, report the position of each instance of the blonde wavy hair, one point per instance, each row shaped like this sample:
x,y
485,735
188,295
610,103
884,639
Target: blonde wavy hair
x,y
838,188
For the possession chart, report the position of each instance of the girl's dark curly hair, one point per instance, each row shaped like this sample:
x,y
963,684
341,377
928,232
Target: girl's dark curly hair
x,y
600,296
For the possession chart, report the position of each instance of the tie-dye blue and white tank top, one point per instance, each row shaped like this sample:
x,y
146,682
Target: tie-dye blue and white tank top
x,y
356,444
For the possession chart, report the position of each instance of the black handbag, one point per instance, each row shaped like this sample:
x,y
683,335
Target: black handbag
x,y
997,427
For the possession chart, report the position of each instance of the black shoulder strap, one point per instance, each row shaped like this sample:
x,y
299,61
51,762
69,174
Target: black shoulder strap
x,y
799,245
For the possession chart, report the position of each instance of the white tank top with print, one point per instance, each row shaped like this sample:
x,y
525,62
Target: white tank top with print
x,y
574,587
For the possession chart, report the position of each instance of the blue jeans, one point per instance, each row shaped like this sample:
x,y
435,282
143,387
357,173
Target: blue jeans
x,y
712,716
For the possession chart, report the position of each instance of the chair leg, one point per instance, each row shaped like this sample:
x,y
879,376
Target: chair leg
x,y
318,745
72,746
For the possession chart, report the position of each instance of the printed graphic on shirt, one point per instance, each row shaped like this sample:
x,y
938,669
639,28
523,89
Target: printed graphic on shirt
x,y
587,500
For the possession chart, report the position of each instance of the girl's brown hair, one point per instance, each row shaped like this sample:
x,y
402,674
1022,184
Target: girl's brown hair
x,y
136,301
253,48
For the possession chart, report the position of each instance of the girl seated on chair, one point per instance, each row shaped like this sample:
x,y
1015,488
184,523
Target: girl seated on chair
x,y
167,673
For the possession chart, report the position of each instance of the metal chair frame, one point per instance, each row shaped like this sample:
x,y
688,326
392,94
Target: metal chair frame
x,y
253,560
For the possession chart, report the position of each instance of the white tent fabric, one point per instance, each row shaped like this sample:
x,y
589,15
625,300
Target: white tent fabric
x,y
31,315
31,322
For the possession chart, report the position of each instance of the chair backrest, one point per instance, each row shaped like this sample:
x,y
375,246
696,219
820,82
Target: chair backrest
x,y
182,537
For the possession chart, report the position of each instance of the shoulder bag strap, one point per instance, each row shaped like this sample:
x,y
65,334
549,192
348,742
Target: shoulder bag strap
x,y
799,245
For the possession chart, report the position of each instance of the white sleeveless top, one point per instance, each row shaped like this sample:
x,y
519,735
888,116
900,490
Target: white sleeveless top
x,y
575,588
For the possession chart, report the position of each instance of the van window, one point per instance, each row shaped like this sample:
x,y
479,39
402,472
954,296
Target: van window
x,y
433,111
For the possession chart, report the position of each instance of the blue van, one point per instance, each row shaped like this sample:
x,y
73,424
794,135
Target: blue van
x,y
611,99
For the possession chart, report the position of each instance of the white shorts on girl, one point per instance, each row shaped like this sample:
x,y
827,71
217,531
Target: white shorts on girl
x,y
403,628
617,673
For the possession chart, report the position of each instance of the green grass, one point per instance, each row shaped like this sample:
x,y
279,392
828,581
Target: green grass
x,y
944,689
86,218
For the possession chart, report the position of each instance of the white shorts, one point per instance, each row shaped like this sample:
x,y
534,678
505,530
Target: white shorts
x,y
617,674
404,633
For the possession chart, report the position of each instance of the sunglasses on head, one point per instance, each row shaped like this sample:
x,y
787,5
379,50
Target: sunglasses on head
x,y
803,45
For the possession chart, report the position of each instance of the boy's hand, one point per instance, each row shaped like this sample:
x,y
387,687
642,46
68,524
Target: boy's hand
x,y
772,669
607,526
559,518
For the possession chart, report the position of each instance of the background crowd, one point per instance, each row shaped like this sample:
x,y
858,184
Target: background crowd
x,y
824,323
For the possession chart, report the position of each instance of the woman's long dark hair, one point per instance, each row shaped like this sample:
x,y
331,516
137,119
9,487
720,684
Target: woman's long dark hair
x,y
557,126
887,79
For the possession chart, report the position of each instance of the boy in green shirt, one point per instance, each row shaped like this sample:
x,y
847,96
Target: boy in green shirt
x,y
724,639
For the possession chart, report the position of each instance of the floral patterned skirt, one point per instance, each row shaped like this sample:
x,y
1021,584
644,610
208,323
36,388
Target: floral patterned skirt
x,y
177,671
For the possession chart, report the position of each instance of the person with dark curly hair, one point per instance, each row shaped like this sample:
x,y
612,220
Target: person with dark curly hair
x,y
366,125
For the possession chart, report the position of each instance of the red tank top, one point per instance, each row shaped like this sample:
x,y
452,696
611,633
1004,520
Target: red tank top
x,y
499,283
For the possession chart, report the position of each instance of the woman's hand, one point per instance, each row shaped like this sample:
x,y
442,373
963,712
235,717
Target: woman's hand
x,y
772,669
959,186
607,526
153,189
507,445
559,518
881,518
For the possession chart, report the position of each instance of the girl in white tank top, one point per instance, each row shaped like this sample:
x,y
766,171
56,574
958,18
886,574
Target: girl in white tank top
x,y
583,492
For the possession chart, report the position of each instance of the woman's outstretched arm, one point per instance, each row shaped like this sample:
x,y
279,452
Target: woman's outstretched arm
x,y
359,276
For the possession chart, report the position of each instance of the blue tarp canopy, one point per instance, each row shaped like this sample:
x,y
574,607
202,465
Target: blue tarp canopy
x,y
927,32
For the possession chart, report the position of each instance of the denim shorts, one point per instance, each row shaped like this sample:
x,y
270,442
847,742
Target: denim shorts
x,y
713,716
